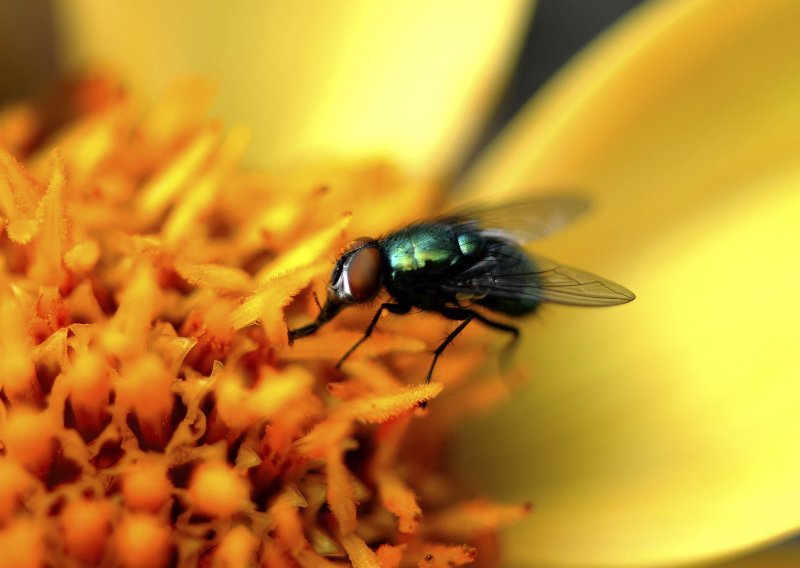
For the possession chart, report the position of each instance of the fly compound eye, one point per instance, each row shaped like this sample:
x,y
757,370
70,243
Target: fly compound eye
x,y
363,274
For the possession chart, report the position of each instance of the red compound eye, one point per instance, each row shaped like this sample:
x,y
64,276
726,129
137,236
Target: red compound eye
x,y
364,274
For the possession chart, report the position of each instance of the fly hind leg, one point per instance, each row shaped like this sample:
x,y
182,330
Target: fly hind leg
x,y
466,316
392,308
508,350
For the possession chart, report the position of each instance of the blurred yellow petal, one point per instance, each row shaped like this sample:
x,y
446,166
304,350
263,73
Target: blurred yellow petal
x,y
475,517
780,556
397,496
411,79
180,111
664,431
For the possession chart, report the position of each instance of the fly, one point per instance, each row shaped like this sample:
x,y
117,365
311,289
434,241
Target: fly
x,y
467,265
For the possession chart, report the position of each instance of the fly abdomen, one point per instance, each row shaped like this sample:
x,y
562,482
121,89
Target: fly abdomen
x,y
470,243
505,279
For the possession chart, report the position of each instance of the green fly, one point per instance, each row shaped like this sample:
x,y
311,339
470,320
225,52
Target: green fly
x,y
466,265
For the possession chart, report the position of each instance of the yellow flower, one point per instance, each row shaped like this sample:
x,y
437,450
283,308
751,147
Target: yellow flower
x,y
153,412
662,433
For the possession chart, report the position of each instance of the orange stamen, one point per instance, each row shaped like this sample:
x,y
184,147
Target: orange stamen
x,y
142,541
86,526
29,437
217,490
145,488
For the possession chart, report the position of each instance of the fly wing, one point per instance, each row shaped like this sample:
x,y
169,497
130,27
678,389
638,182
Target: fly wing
x,y
546,281
553,282
522,220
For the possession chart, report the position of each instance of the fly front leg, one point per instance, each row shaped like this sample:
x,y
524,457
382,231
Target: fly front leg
x,y
392,308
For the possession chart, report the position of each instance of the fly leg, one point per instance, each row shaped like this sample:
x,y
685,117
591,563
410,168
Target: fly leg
x,y
467,316
453,314
392,308
508,350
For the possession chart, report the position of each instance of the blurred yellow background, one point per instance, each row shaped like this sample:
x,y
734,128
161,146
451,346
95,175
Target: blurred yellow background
x,y
661,433
316,78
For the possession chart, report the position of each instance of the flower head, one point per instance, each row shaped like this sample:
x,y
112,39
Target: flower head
x,y
153,410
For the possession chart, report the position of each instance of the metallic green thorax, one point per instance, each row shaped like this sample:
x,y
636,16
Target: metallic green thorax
x,y
426,249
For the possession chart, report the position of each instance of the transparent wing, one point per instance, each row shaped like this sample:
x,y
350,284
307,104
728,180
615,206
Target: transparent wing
x,y
521,220
548,282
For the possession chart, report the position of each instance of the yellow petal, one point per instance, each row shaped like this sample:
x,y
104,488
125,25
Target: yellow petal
x,y
270,298
412,79
309,250
139,302
779,556
236,548
142,540
442,556
275,390
328,345
360,554
400,500
83,256
22,544
16,367
86,525
52,236
193,208
176,176
383,407
390,556
19,192
649,424
340,494
224,279
397,497
15,482
217,490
